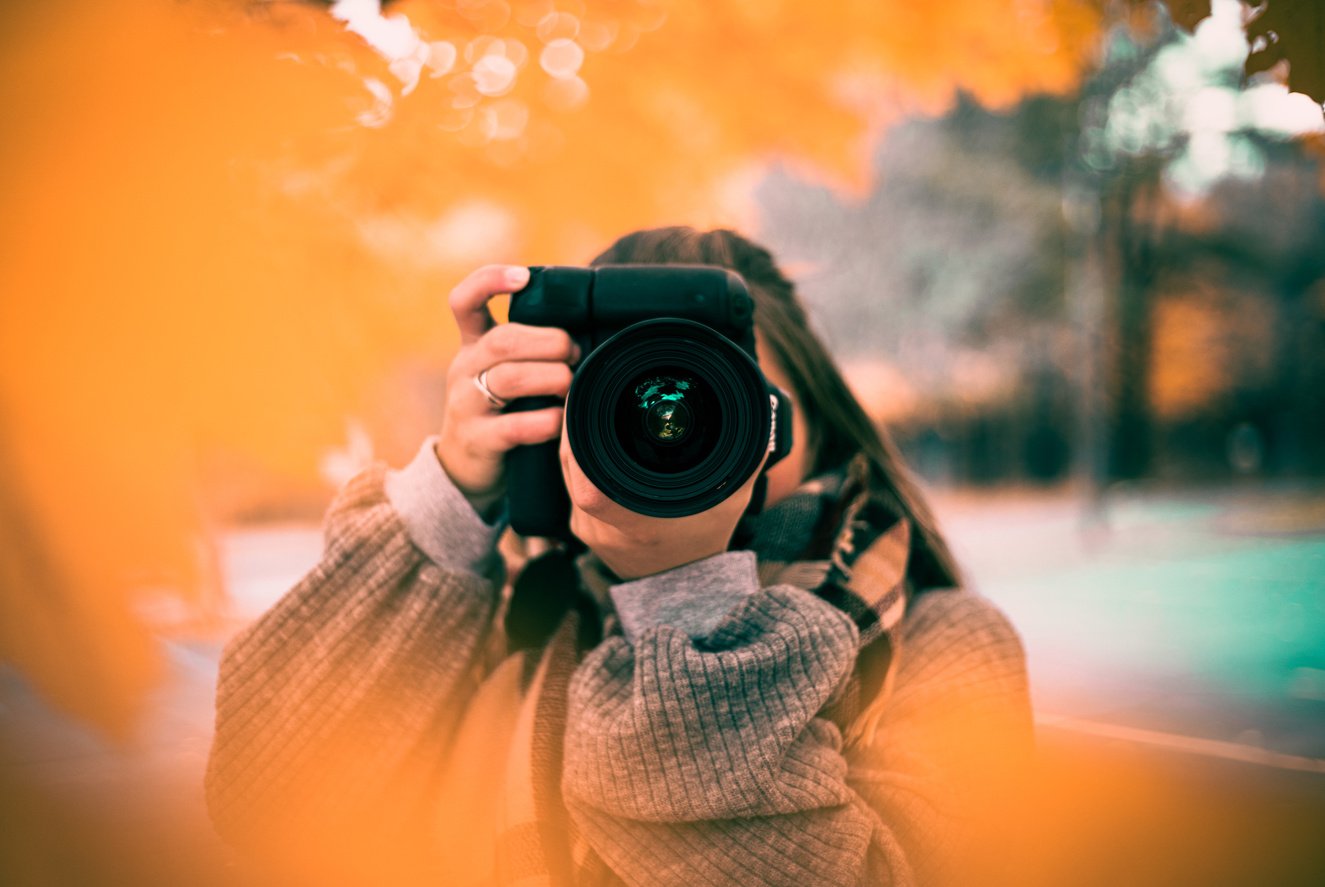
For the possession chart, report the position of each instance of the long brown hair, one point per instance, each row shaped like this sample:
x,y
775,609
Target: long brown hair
x,y
838,427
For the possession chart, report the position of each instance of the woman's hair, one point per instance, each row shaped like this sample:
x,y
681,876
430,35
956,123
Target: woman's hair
x,y
838,427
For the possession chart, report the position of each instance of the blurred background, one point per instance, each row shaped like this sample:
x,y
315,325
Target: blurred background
x,y
1070,252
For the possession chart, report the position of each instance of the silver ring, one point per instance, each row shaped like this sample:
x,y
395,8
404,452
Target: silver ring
x,y
481,383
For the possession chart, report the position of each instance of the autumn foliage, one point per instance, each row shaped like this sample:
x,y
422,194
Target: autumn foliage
x,y
225,224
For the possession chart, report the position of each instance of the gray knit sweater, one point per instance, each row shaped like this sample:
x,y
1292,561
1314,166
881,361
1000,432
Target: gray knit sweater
x,y
694,750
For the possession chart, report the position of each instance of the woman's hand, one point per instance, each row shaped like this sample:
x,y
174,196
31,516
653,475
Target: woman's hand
x,y
520,361
634,545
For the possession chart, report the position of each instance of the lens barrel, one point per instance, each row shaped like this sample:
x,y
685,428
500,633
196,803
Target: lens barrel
x,y
668,417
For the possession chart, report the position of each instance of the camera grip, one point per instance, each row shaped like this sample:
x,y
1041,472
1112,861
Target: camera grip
x,y
535,491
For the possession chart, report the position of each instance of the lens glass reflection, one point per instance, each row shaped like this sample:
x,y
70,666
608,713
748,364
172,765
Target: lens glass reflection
x,y
667,420
662,403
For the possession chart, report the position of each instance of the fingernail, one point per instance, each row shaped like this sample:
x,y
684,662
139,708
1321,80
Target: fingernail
x,y
517,277
574,353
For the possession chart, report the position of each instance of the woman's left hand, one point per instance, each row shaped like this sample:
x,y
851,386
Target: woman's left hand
x,y
634,545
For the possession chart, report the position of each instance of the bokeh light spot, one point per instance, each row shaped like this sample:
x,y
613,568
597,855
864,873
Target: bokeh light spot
x,y
454,119
566,93
562,58
505,119
486,15
442,56
464,90
379,113
558,26
597,36
494,75
530,12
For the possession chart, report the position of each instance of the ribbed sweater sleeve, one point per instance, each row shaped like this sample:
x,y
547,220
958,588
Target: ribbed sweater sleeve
x,y
703,760
953,752
334,707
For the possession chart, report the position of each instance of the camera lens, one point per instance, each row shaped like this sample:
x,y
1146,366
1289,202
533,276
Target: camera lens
x,y
668,417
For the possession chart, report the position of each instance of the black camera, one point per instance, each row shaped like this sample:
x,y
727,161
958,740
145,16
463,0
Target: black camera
x,y
668,412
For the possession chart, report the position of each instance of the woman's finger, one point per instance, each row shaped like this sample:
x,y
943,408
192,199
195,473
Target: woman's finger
x,y
528,378
507,430
518,342
469,299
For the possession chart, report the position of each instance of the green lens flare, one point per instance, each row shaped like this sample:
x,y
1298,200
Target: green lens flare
x,y
662,400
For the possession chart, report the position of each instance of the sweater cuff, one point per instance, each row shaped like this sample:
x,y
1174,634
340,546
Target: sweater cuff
x,y
692,598
440,520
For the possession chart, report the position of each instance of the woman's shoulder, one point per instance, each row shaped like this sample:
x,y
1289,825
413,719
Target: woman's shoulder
x,y
954,630
950,608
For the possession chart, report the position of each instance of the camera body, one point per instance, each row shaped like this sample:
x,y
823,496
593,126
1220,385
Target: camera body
x,y
668,412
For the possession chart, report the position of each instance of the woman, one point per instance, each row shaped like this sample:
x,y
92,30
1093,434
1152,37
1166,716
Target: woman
x,y
820,707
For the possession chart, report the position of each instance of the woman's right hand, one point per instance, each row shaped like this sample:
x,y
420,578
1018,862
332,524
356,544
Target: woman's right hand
x,y
521,361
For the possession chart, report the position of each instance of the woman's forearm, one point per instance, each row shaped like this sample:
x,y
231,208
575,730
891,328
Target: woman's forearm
x,y
327,704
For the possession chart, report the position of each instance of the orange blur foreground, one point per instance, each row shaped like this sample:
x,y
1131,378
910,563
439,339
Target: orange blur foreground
x,y
228,228
226,224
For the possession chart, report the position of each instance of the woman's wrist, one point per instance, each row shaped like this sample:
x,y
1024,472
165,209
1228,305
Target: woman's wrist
x,y
440,520
484,501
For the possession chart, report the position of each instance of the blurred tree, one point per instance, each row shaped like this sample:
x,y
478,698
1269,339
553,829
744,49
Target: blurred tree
x,y
1037,244
1166,118
1291,31
1256,249
952,273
